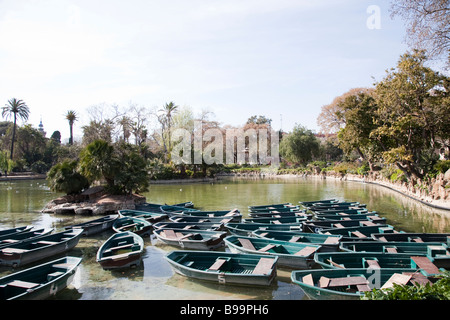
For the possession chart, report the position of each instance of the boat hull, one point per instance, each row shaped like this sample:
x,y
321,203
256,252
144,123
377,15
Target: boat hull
x,y
16,256
56,276
194,264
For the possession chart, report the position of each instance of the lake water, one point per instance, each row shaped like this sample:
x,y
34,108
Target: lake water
x,y
21,202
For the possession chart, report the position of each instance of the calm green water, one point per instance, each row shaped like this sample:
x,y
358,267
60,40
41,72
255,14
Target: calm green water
x,y
21,201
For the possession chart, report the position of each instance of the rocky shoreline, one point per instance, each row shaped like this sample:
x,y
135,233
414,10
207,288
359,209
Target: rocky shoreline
x,y
436,195
94,201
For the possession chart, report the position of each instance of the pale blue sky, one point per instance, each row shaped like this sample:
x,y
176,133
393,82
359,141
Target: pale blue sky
x,y
236,58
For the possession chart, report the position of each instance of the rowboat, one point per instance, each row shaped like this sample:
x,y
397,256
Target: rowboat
x,y
246,229
7,239
169,210
336,284
277,213
232,215
95,226
154,207
39,282
310,203
151,217
290,254
271,208
197,219
340,204
121,250
211,226
136,225
224,267
276,220
191,239
359,233
15,230
334,260
38,248
343,216
319,213
327,242
437,252
413,237
318,225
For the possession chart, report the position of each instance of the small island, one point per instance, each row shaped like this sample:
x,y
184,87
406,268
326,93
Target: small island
x,y
93,201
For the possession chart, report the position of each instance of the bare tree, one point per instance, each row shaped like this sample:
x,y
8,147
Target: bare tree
x,y
428,25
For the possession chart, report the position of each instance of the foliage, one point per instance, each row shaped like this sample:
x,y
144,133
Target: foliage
x,y
299,146
64,177
133,174
15,108
97,161
412,113
440,290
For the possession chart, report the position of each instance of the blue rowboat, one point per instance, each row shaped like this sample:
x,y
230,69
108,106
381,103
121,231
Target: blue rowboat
x,y
151,217
95,226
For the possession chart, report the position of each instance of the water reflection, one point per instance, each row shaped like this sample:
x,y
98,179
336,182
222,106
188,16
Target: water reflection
x,y
21,202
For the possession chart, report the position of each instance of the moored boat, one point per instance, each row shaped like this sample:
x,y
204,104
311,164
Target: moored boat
x,y
139,226
38,248
121,250
41,281
347,260
95,226
277,220
315,226
191,239
151,217
198,219
359,232
276,213
231,215
413,237
335,284
246,229
290,254
169,210
211,226
327,242
16,237
15,230
224,267
437,252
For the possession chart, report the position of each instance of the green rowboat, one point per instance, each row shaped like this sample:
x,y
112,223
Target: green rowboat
x,y
351,284
191,239
121,250
151,217
39,282
225,267
290,254
139,226
327,242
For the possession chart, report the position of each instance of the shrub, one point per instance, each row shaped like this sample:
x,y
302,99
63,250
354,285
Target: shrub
x,y
64,177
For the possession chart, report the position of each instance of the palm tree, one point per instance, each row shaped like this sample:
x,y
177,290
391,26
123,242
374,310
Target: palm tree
x,y
71,116
15,108
168,109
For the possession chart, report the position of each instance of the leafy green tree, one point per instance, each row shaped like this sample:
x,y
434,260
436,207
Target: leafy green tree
x,y
133,175
97,161
15,108
71,116
359,115
299,146
64,177
413,113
